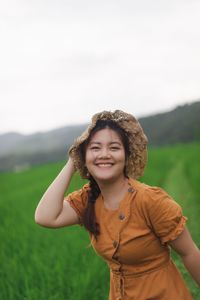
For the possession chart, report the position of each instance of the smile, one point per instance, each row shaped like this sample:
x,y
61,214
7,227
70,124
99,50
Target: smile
x,y
104,165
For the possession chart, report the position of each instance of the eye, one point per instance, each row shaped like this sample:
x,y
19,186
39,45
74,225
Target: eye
x,y
94,148
114,148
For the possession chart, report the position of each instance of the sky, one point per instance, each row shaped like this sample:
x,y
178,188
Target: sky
x,y
62,61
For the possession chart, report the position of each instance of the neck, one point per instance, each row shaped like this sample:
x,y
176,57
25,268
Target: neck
x,y
112,192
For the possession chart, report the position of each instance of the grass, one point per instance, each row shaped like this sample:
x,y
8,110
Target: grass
x,y
57,264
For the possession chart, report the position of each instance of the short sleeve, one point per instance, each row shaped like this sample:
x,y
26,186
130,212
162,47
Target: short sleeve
x,y
78,200
165,215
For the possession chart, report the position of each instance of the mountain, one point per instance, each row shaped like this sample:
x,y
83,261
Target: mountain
x,y
18,151
181,125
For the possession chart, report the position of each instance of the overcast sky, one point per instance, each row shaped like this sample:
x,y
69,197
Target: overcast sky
x,y
62,61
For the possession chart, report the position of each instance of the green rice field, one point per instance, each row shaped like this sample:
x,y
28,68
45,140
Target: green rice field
x,y
57,264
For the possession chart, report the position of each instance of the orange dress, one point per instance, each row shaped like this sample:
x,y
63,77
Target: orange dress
x,y
133,242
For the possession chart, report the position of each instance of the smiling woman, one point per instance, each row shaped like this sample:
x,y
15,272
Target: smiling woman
x,y
131,225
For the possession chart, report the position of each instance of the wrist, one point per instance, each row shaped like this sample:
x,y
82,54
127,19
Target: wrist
x,y
70,165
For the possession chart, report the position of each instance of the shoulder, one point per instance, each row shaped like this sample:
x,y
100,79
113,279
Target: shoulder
x,y
161,212
79,195
146,192
152,198
78,200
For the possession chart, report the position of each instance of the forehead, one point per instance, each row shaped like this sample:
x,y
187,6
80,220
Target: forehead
x,y
106,135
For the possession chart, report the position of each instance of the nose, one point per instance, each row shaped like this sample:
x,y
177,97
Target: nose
x,y
104,153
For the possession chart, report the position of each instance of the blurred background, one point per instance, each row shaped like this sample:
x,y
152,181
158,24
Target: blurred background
x,y
61,62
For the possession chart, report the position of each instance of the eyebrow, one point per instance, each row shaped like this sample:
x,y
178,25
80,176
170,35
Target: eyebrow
x,y
111,143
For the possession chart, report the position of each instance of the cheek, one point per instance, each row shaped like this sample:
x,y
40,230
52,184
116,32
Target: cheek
x,y
89,156
122,157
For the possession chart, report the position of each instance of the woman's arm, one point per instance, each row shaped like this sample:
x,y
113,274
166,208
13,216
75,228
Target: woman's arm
x,y
190,254
52,210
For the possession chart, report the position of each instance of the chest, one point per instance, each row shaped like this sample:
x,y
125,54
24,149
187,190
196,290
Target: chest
x,y
125,236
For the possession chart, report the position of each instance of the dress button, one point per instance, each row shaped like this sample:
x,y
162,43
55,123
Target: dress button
x,y
116,257
121,216
115,244
130,190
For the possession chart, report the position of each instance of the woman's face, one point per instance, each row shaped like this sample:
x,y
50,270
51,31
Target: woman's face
x,y
105,156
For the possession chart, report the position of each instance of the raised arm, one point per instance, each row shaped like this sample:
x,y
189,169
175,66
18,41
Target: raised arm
x,y
52,210
189,253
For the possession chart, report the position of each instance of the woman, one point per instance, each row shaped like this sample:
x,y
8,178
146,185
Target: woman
x,y
131,225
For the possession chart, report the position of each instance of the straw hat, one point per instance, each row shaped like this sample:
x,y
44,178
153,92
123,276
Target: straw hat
x,y
137,158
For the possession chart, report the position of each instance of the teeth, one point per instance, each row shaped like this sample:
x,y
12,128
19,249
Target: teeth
x,y
104,165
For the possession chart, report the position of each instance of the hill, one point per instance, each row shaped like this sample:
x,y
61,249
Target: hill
x,y
181,125
17,151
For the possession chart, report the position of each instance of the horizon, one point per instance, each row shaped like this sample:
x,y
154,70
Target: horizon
x,y
86,123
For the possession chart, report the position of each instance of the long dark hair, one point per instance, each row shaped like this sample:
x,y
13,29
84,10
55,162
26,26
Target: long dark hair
x,y
89,218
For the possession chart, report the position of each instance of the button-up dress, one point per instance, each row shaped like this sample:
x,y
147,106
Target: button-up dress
x,y
134,240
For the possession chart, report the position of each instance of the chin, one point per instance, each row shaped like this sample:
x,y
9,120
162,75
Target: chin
x,y
106,178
